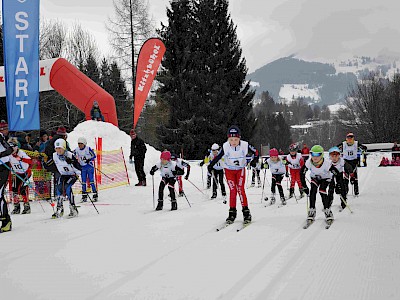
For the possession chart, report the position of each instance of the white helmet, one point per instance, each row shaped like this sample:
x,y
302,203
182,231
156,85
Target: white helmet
x,y
60,143
82,140
215,147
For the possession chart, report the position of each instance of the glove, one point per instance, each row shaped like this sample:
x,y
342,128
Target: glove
x,y
130,161
352,178
287,174
306,190
68,160
87,160
201,163
186,177
152,172
338,189
265,166
334,171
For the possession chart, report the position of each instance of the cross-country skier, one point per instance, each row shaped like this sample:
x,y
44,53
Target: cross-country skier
x,y
182,164
350,148
234,152
295,162
320,178
68,166
277,167
217,172
86,157
169,171
206,161
337,183
256,173
5,151
21,165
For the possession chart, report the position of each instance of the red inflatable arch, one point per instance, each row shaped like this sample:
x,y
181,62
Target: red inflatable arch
x,y
81,91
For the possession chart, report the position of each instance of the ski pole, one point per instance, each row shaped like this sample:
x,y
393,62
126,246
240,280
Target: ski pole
x,y
24,181
196,187
202,178
262,193
154,201
345,202
183,194
111,178
90,198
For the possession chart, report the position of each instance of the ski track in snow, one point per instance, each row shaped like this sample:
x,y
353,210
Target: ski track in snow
x,y
129,252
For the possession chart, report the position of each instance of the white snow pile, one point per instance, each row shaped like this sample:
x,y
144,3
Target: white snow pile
x,y
113,139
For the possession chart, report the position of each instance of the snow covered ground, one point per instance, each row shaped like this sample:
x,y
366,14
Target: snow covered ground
x,y
129,251
290,92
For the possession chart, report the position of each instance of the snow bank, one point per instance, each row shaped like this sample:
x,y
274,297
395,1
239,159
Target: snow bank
x,y
289,92
113,138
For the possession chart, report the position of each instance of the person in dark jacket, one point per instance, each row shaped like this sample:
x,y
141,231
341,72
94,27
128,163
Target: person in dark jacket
x,y
138,152
95,112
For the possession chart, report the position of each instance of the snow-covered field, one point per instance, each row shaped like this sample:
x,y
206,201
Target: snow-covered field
x,y
290,92
129,251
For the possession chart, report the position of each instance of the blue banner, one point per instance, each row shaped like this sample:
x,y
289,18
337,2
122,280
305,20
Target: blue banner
x,y
21,63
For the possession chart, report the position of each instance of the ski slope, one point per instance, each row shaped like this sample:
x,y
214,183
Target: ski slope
x,y
129,251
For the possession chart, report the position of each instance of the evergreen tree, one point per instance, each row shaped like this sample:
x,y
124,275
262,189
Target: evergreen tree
x,y
91,69
204,79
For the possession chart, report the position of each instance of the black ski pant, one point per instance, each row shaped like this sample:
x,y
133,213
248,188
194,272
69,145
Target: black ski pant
x,y
218,177
256,172
4,215
337,185
277,181
164,182
322,185
351,175
139,168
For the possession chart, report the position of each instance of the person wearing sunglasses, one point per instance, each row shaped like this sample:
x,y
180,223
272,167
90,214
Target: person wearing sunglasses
x,y
349,149
321,176
339,165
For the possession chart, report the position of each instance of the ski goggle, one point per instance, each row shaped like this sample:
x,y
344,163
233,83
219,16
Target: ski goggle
x,y
316,154
334,153
350,137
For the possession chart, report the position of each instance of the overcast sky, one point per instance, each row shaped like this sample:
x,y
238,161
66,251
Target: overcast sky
x,y
269,29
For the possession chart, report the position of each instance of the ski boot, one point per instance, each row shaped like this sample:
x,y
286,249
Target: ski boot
x,y
84,197
174,205
73,211
181,194
17,209
291,193
144,183
6,225
272,202
59,212
27,208
283,200
259,184
140,183
246,215
311,214
232,215
328,215
301,193
214,195
224,197
95,197
160,205
356,191
252,184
